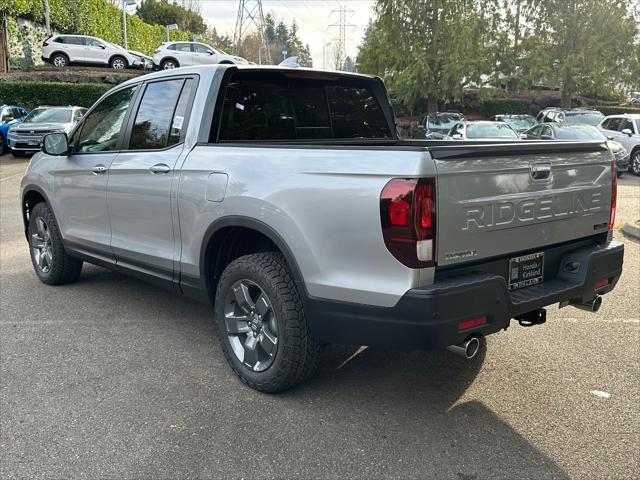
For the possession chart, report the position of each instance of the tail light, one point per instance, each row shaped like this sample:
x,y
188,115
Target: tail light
x,y
614,194
46,42
408,217
157,50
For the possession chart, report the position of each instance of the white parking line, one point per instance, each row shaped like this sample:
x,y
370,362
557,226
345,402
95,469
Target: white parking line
x,y
10,177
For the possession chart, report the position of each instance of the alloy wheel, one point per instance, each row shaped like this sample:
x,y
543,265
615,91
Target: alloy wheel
x,y
635,163
59,61
118,64
169,65
42,246
252,327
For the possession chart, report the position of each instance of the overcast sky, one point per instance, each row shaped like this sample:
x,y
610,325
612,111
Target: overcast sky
x,y
312,16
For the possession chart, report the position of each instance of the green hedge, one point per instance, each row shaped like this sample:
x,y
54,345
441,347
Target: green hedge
x,y
497,106
33,94
616,110
93,17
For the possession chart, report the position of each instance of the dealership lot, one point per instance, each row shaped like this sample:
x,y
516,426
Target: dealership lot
x,y
114,377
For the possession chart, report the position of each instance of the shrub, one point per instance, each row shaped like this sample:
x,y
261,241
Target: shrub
x,y
609,110
497,106
33,94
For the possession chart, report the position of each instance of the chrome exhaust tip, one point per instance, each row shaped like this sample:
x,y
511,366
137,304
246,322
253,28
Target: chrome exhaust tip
x,y
591,306
467,349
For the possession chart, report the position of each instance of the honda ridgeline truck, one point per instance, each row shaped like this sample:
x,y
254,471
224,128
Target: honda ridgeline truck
x,y
286,199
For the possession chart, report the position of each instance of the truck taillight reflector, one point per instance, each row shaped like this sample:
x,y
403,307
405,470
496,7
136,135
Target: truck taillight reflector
x,y
614,194
603,282
408,217
472,323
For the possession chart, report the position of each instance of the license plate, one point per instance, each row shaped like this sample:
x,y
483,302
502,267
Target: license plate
x,y
526,270
35,143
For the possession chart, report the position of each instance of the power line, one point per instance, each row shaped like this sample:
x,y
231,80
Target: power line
x,y
340,27
250,15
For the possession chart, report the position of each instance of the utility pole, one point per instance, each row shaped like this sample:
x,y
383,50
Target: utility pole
x,y
250,15
124,24
344,14
47,20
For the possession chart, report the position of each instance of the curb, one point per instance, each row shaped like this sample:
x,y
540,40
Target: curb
x,y
631,231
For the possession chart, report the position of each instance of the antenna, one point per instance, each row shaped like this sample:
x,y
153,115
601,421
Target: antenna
x,y
344,14
250,15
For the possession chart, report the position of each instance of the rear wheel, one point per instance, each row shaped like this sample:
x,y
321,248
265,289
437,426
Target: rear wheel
x,y
50,261
2,144
261,324
634,166
169,64
59,60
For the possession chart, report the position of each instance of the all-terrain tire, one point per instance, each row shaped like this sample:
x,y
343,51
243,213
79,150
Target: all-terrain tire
x,y
62,268
297,353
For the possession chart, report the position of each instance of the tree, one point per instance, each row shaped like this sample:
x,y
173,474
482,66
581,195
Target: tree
x,y
162,12
222,42
584,46
428,49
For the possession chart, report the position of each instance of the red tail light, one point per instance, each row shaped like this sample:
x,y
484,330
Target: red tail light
x,y
614,194
46,42
408,217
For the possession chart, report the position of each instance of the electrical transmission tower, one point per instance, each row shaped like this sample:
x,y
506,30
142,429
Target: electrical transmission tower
x,y
249,16
340,27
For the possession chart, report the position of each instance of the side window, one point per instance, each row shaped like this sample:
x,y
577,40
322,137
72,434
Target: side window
x,y
605,124
77,115
5,113
92,42
614,124
155,117
75,40
626,123
101,128
17,112
59,40
546,131
182,47
201,48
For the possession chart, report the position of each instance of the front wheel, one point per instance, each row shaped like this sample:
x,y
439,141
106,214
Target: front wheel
x,y
169,65
118,63
261,324
50,261
634,166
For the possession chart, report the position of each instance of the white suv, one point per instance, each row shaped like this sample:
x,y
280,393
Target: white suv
x,y
184,54
625,129
63,50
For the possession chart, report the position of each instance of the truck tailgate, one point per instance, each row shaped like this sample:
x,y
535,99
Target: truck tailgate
x,y
494,200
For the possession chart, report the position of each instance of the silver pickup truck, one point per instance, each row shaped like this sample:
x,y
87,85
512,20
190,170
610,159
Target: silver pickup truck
x,y
285,198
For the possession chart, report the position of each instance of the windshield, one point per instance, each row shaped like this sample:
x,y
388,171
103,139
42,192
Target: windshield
x,y
443,122
49,115
490,130
578,133
521,123
588,118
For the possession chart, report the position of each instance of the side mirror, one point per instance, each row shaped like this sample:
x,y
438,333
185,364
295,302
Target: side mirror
x,y
210,52
627,131
103,47
55,144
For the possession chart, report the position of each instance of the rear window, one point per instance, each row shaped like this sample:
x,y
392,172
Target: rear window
x,y
587,118
262,107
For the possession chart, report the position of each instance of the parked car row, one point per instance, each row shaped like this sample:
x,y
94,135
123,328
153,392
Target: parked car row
x,y
65,50
22,131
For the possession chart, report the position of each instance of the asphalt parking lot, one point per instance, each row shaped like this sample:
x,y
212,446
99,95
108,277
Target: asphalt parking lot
x,y
111,377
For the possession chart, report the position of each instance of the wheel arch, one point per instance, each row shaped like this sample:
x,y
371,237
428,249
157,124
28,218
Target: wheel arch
x,y
59,52
173,59
231,237
31,196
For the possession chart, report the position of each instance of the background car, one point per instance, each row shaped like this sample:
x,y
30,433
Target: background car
x,y
573,115
26,137
437,125
64,50
482,130
625,129
520,123
10,115
564,131
183,54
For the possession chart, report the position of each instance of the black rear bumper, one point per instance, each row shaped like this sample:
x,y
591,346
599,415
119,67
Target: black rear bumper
x,y
429,317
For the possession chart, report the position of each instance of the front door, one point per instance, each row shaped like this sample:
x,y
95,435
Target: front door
x,y
81,178
96,51
141,209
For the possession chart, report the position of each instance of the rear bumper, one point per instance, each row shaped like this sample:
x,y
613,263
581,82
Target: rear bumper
x,y
429,317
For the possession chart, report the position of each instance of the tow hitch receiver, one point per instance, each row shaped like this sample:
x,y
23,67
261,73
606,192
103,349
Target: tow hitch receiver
x,y
535,317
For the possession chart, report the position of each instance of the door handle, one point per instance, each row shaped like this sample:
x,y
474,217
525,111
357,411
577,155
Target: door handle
x,y
160,168
99,169
541,171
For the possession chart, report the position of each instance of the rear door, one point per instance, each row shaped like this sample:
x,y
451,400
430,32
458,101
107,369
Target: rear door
x,y
141,178
497,200
183,54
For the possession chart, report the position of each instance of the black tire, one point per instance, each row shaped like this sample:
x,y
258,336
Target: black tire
x,y
118,63
62,268
2,144
169,64
297,355
60,60
634,164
